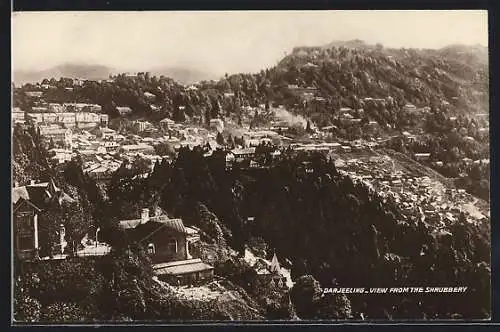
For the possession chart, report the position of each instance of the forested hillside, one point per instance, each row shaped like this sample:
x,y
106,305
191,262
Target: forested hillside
x,y
421,77
29,157
343,76
329,227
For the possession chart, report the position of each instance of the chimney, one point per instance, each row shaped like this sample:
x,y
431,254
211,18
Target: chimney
x,y
144,216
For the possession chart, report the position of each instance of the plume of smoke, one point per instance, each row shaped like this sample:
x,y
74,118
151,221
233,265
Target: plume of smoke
x,y
289,118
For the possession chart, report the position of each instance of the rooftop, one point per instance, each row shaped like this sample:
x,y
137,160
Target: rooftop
x,y
181,267
38,192
243,151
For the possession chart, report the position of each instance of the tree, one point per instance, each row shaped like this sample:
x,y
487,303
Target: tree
x,y
215,110
63,312
231,142
129,279
220,139
475,173
164,149
334,306
51,144
77,220
178,115
140,166
73,173
308,127
210,224
26,308
304,295
49,234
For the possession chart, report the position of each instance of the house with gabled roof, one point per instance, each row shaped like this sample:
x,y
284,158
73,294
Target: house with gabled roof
x,y
167,241
270,273
28,202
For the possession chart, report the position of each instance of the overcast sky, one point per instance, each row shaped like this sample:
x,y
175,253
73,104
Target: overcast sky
x,y
220,42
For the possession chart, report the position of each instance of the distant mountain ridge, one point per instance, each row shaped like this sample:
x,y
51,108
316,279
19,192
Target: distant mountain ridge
x,y
355,43
456,50
84,71
463,52
358,43
183,75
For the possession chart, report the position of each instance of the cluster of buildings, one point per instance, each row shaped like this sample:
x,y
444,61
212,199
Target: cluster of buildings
x,y
103,149
70,119
306,93
57,122
412,136
414,194
338,147
71,115
247,156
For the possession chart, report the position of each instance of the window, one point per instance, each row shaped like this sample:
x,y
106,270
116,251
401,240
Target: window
x,y
26,242
172,244
25,221
151,249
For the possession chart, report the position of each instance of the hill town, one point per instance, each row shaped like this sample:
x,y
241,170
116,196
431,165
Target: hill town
x,y
137,198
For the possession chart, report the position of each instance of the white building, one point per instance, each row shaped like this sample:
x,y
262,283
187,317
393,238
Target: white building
x,y
61,155
149,96
217,124
409,108
57,134
124,110
17,115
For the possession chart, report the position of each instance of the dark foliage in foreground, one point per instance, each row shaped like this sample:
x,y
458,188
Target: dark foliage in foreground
x,y
332,228
328,226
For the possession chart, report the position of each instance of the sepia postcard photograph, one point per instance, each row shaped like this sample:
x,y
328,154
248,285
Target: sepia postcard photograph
x,y
250,166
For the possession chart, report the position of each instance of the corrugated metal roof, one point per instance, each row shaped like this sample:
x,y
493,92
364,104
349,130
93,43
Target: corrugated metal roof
x,y
243,151
100,169
164,221
19,192
66,198
175,224
175,263
187,267
38,193
191,230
